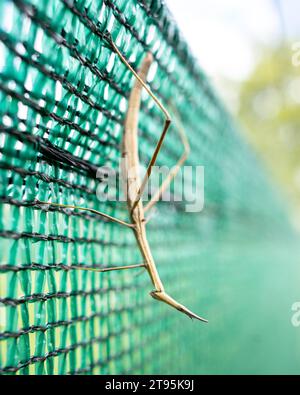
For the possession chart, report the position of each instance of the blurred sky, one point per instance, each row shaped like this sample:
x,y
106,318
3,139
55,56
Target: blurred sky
x,y
225,34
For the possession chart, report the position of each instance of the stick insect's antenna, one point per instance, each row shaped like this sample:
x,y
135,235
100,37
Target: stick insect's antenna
x,y
165,128
91,210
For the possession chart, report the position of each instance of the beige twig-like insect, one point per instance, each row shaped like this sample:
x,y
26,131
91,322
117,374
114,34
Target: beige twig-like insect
x,y
135,188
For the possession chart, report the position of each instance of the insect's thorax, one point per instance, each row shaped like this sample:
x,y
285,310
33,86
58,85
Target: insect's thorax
x,y
137,214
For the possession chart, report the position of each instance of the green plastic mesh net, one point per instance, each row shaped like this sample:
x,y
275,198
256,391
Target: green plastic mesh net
x,y
64,95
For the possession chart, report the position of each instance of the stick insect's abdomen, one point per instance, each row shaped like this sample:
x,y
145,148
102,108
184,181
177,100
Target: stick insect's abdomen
x,y
130,154
130,172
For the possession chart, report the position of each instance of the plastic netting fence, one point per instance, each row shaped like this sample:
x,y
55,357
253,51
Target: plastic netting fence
x,y
63,95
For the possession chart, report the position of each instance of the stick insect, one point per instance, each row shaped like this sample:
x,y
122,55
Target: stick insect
x,y
133,184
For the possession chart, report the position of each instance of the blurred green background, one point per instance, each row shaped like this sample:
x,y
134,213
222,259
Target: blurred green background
x,y
250,50
269,109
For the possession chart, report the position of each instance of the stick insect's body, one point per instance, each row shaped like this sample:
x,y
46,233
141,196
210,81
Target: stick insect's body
x,y
135,187
130,165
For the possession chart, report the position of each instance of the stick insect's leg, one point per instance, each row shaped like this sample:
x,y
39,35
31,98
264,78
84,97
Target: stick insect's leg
x,y
91,210
110,269
173,172
165,128
110,218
